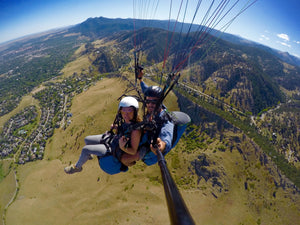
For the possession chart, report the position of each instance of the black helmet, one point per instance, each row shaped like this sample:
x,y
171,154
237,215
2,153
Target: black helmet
x,y
153,91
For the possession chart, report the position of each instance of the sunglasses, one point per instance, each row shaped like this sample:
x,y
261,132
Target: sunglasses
x,y
151,101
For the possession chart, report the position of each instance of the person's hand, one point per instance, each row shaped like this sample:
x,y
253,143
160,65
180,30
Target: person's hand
x,y
122,142
140,73
160,144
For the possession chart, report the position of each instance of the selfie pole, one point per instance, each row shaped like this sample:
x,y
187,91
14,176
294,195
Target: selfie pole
x,y
178,211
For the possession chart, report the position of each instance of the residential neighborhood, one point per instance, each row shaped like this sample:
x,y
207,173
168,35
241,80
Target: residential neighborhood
x,y
24,135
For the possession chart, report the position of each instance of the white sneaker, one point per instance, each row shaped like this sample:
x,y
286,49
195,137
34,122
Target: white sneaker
x,y
72,169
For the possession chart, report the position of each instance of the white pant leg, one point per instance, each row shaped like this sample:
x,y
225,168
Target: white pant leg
x,y
93,139
98,150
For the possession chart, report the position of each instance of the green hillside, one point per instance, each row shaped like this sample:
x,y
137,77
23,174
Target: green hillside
x,y
224,177
238,162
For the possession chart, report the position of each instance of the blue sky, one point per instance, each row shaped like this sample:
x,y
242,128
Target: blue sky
x,y
272,23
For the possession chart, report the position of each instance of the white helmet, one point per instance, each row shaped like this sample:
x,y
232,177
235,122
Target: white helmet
x,y
129,101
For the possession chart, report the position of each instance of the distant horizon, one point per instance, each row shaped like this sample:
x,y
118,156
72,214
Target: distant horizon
x,y
34,34
67,26
271,23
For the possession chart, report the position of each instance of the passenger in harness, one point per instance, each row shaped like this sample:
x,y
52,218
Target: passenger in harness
x,y
168,127
113,145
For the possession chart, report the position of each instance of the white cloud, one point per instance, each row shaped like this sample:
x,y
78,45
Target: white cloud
x,y
283,36
263,37
284,44
296,55
297,42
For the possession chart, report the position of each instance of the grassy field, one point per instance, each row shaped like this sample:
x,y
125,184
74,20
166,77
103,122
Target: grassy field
x,y
49,196
7,185
49,191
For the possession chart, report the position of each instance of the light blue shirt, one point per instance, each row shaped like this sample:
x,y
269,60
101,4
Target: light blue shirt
x,y
166,133
143,86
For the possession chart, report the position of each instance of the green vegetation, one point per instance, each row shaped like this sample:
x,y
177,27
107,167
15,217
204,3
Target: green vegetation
x,y
215,165
193,140
2,175
37,60
244,124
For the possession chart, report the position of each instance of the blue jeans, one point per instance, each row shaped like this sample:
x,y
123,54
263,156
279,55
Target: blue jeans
x,y
92,146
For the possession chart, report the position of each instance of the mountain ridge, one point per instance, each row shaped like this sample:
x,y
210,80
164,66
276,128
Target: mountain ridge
x,y
215,166
97,25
